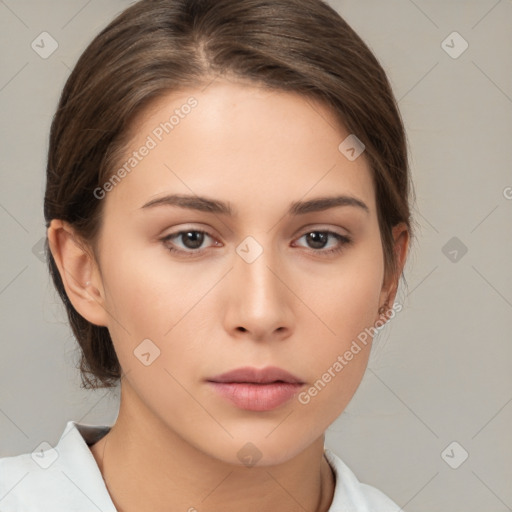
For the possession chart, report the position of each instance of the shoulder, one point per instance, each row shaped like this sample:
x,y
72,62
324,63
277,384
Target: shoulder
x,y
61,478
350,495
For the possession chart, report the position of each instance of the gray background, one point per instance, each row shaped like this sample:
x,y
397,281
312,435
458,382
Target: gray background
x,y
440,370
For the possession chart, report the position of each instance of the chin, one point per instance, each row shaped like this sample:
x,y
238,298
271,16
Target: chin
x,y
263,450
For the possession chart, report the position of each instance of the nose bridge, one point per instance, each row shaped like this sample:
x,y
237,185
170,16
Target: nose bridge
x,y
255,265
259,298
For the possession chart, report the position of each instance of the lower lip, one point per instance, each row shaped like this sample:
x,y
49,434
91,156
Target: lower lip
x,y
256,397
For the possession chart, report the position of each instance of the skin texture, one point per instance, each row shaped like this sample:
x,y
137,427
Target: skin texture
x,y
174,445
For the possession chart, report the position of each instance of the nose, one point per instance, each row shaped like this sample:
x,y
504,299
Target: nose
x,y
259,302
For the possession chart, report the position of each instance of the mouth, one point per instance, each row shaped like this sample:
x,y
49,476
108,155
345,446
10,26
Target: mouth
x,y
250,375
255,389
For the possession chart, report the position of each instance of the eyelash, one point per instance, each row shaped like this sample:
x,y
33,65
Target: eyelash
x,y
342,239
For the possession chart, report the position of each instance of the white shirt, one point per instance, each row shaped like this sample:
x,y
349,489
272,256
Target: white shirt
x,y
67,479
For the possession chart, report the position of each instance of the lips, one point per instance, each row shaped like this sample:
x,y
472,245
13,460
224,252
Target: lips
x,y
252,375
256,389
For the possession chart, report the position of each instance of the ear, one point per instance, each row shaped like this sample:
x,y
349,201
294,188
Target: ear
x,y
390,285
79,272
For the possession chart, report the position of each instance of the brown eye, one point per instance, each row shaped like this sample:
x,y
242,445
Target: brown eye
x,y
317,240
191,241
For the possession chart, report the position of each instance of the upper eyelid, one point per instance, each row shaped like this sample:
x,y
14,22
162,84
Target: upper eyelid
x,y
307,229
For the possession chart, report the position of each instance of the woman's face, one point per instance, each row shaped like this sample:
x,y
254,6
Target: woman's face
x,y
264,284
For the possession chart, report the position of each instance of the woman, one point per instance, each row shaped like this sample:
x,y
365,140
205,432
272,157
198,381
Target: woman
x,y
228,216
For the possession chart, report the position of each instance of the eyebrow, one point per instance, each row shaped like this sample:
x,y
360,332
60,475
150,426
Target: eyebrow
x,y
205,204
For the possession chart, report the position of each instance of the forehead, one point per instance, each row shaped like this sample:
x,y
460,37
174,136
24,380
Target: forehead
x,y
235,141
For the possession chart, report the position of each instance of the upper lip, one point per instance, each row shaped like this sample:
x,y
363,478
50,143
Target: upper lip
x,y
258,376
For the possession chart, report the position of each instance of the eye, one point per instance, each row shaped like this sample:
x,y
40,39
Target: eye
x,y
318,239
192,240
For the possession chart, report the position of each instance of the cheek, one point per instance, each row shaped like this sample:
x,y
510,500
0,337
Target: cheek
x,y
344,297
146,291
152,298
328,394
346,304
150,305
347,312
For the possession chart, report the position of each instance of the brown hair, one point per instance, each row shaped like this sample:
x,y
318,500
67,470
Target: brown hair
x,y
158,46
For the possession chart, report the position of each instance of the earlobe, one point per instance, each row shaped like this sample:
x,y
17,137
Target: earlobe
x,y
78,271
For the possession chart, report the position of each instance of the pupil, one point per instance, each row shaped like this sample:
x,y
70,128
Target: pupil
x,y
195,237
319,239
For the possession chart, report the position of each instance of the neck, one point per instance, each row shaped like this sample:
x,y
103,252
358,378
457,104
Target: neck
x,y
147,466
